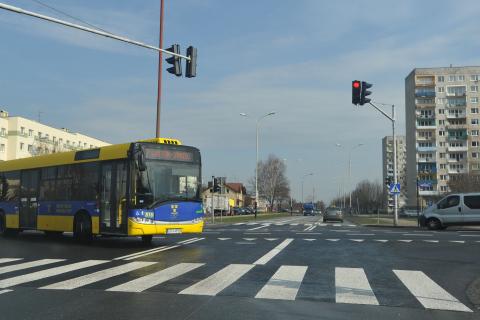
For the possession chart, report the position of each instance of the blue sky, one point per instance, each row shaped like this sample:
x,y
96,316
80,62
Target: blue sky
x,y
295,57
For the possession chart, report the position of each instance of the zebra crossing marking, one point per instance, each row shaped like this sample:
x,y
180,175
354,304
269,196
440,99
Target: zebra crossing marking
x,y
5,260
223,239
356,240
27,265
333,240
381,240
308,239
459,241
272,253
284,284
220,280
156,278
431,241
407,241
271,239
249,239
351,286
5,291
29,277
428,292
97,276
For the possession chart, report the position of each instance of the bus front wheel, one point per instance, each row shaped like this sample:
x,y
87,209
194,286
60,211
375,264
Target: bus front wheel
x,y
82,229
147,240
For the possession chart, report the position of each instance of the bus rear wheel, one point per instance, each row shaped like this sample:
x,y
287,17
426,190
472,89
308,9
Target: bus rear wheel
x,y
3,224
82,228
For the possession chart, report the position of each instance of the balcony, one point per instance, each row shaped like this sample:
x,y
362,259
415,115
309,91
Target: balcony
x,y
425,82
425,94
428,193
457,94
427,160
457,171
456,115
457,126
457,149
426,149
458,160
430,126
425,116
425,138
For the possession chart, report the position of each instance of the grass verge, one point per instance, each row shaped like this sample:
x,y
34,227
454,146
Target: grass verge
x,y
382,220
246,218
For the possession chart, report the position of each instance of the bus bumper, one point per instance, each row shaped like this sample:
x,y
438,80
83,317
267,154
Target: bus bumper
x,y
140,229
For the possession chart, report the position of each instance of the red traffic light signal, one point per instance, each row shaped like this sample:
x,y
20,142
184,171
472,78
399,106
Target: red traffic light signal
x,y
356,90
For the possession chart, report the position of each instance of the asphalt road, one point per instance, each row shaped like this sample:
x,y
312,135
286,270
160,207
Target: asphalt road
x,y
285,268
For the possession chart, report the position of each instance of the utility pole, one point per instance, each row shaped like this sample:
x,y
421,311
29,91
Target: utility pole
x,y
159,84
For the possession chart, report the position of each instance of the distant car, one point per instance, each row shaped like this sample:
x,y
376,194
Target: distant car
x,y
333,214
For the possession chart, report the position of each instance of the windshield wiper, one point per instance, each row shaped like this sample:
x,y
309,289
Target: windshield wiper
x,y
159,201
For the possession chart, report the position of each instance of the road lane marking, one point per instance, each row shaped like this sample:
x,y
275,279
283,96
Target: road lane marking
x,y
428,292
378,240
256,228
306,239
294,224
469,235
284,284
5,291
356,240
249,239
223,239
308,233
405,240
360,234
158,249
272,253
417,235
149,253
5,260
351,286
156,278
271,239
239,223
10,282
332,239
457,241
97,276
431,241
220,280
27,265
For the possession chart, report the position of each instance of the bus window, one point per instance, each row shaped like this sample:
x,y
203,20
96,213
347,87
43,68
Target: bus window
x,y
11,186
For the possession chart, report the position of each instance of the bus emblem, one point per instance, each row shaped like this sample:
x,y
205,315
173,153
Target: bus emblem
x,y
174,208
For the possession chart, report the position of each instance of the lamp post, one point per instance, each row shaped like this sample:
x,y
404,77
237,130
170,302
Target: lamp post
x,y
303,180
256,160
350,171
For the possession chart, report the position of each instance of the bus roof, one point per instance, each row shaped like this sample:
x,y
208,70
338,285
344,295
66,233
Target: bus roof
x,y
115,151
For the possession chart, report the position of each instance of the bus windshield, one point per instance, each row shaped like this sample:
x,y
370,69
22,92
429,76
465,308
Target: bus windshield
x,y
163,181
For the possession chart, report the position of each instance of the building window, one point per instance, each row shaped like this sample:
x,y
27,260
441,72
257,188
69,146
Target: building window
x,y
475,133
441,133
442,144
452,78
21,145
441,89
443,177
474,155
474,99
475,122
30,132
2,147
474,77
441,100
39,134
440,79
443,166
474,88
441,122
442,155
30,148
474,110
22,130
441,111
461,78
3,133
444,188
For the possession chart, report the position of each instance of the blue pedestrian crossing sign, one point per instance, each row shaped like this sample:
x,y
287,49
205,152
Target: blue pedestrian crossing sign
x,y
394,188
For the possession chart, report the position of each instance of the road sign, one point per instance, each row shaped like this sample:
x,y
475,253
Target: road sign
x,y
394,188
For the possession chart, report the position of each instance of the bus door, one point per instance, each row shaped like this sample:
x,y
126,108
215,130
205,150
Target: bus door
x,y
28,199
112,197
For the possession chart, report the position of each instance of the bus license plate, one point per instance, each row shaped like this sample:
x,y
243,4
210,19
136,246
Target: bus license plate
x,y
174,231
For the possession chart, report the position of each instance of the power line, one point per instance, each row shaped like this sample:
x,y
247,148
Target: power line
x,y
69,15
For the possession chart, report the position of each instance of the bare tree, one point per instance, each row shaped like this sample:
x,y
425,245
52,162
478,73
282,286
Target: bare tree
x,y
464,183
272,182
369,196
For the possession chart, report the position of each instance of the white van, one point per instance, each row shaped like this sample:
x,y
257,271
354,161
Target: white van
x,y
454,209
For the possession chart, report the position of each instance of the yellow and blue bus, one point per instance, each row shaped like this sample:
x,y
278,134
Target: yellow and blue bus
x,y
143,188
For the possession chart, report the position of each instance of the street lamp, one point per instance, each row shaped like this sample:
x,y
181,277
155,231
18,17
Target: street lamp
x,y
303,180
350,170
256,162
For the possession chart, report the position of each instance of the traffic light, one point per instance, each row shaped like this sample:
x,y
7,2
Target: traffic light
x,y
216,185
176,67
356,88
365,93
191,68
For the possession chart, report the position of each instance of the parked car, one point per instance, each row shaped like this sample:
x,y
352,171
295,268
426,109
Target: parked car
x,y
332,213
454,209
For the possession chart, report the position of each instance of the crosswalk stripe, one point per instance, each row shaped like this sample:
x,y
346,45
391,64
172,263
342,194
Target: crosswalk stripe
x,y
249,239
333,240
5,260
308,239
431,241
428,292
271,239
272,253
284,284
457,241
223,239
212,285
351,286
97,276
27,265
356,240
151,251
378,240
10,282
154,279
405,240
5,291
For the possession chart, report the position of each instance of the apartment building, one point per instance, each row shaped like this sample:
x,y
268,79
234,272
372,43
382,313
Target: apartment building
x,y
21,138
387,160
442,122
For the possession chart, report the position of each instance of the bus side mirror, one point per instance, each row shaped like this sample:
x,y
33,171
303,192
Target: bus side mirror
x,y
141,161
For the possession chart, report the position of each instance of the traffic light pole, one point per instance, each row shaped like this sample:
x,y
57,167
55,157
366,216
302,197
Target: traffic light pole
x,y
395,196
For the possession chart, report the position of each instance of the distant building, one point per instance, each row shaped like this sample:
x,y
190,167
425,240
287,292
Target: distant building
x,y
387,157
442,120
21,138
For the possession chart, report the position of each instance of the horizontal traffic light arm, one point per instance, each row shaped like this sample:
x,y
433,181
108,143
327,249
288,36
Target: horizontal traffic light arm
x,y
90,30
382,112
